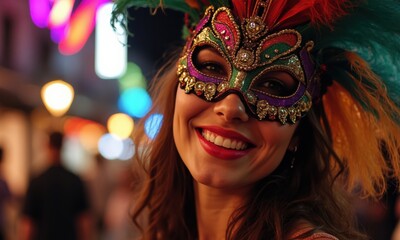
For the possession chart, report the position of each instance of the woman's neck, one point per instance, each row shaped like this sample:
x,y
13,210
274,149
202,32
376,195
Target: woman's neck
x,y
214,207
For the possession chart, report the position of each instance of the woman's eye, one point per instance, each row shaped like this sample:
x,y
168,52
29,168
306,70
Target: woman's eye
x,y
209,61
212,68
273,86
277,83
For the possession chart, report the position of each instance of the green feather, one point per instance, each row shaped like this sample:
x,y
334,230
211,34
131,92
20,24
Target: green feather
x,y
373,31
220,3
122,6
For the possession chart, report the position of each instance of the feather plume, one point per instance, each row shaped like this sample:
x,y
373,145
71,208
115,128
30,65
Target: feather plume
x,y
373,33
290,13
121,8
361,54
219,3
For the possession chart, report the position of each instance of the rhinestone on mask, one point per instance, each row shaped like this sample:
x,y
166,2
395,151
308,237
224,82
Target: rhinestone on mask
x,y
244,59
254,28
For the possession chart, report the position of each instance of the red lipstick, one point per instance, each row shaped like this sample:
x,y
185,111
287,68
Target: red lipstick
x,y
221,152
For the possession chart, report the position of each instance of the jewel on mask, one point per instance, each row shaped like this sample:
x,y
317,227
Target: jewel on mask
x,y
244,59
251,97
190,82
282,114
199,88
272,111
209,91
292,114
262,109
223,86
253,28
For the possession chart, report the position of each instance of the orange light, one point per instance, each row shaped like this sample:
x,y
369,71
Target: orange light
x,y
90,135
87,131
73,125
57,97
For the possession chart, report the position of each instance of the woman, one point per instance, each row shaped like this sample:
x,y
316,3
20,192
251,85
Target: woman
x,y
270,120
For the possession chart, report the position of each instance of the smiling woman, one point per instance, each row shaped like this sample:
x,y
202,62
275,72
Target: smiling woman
x,y
266,114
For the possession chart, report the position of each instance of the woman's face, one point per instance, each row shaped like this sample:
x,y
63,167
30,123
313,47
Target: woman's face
x,y
219,143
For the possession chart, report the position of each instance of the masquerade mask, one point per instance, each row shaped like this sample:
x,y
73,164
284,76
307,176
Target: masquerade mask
x,y
271,72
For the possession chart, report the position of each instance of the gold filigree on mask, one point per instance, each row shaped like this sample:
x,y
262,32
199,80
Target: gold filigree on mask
x,y
238,83
265,110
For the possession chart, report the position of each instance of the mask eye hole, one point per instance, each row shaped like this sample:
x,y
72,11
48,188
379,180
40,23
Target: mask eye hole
x,y
210,62
279,84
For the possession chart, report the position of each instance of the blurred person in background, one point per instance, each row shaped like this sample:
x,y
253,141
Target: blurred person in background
x,y
56,204
5,196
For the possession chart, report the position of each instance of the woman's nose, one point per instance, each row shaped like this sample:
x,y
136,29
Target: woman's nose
x,y
231,108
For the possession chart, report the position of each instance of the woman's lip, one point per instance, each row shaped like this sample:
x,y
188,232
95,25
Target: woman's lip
x,y
218,151
228,134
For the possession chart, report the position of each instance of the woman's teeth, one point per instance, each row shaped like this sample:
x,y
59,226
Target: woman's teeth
x,y
223,142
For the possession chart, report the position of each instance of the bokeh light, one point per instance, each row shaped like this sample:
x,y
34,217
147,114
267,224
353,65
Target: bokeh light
x,y
110,146
59,18
40,10
152,125
57,97
60,13
57,33
133,78
73,125
70,27
128,150
120,124
80,27
88,132
89,136
111,52
135,101
73,155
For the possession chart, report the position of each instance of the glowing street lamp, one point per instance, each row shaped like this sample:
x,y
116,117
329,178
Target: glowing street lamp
x,y
57,97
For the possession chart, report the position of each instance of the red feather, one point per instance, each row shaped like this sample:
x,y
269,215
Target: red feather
x,y
275,12
290,13
240,8
326,12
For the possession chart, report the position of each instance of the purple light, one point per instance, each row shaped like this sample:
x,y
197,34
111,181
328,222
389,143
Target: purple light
x,y
57,33
40,10
73,34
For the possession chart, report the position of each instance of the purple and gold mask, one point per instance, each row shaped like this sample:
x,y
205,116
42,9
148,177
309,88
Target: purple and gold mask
x,y
271,72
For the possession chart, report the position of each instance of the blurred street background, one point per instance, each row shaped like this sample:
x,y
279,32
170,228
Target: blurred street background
x,y
63,69
48,42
